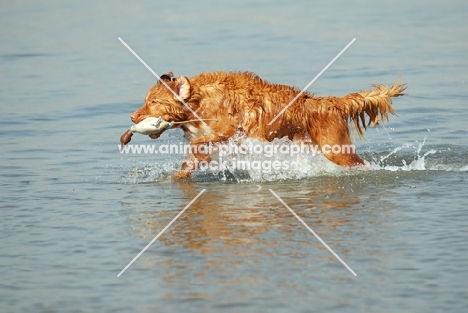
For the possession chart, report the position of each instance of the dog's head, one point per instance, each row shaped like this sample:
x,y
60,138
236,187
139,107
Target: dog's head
x,y
165,100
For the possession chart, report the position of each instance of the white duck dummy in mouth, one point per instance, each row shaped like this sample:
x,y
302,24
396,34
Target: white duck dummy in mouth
x,y
152,126
149,126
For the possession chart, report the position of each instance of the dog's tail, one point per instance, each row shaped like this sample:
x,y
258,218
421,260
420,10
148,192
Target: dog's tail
x,y
355,106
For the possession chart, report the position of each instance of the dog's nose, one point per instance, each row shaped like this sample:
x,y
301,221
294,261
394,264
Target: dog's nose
x,y
133,117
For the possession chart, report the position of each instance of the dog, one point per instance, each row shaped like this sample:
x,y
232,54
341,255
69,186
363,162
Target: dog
x,y
242,101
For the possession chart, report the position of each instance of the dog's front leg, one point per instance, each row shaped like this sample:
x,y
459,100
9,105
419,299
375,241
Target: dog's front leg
x,y
199,152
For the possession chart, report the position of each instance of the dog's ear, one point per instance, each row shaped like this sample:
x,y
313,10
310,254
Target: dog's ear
x,y
166,77
183,87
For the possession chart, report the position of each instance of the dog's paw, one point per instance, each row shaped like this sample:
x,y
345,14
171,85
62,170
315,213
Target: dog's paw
x,y
179,175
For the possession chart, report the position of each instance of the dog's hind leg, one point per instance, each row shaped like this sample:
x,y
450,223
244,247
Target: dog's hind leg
x,y
345,159
331,132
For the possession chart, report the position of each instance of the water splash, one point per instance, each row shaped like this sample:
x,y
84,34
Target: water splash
x,y
407,157
418,163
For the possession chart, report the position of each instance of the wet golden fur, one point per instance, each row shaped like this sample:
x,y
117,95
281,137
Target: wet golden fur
x,y
245,102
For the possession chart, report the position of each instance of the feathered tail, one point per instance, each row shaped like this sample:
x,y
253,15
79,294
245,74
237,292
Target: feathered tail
x,y
371,103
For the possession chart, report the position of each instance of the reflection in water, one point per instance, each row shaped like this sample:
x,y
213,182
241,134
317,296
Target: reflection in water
x,y
242,226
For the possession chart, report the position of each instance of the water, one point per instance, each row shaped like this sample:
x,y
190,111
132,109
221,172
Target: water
x,y
74,211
